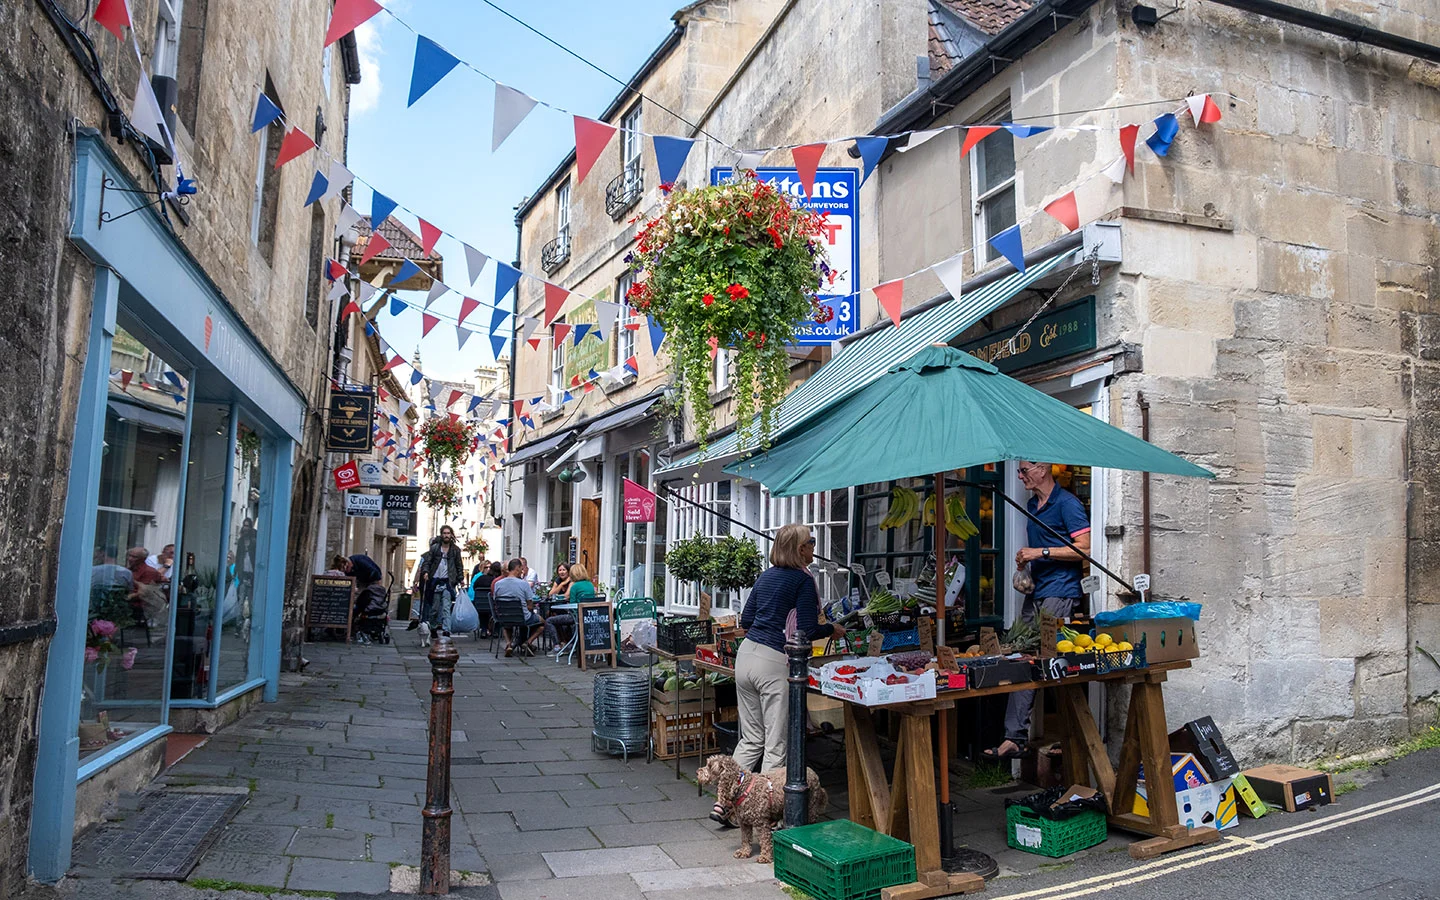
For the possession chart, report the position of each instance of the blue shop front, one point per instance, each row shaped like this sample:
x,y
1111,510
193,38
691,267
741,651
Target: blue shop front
x,y
173,548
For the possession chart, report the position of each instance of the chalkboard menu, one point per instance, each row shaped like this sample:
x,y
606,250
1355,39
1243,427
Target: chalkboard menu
x,y
332,597
597,631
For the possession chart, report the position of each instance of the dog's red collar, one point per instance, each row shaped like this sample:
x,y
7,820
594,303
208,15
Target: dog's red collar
x,y
745,788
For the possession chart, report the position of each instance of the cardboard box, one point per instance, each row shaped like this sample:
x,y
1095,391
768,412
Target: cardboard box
x,y
1202,738
869,687
1166,640
1212,805
1005,671
1290,788
1250,803
1186,771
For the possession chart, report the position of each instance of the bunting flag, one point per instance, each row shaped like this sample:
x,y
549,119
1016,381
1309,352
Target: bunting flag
x,y
351,307
511,108
474,262
497,344
297,143
891,295
506,277
581,330
1025,131
919,137
346,220
337,290
338,179
749,160
147,119
605,315
397,306
657,335
1127,144
454,396
348,16
429,234
714,343
334,270
555,297
974,135
1203,109
461,336
437,290
529,324
374,245
633,364
497,318
367,290
1065,212
807,160
318,186
381,207
1116,170
395,360
1166,127
113,16
951,273
871,149
408,270
519,407
559,330
125,377
475,400
432,63
265,109
670,154
467,306
1010,245
591,137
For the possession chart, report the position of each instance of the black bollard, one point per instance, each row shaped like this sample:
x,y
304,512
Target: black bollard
x,y
797,787
435,818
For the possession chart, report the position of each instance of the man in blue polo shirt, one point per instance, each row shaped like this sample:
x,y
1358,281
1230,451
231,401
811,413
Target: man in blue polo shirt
x,y
1055,569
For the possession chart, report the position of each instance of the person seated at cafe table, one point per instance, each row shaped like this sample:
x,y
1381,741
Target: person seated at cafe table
x,y
577,588
1055,569
513,600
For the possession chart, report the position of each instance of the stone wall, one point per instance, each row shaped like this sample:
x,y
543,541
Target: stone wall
x,y
44,96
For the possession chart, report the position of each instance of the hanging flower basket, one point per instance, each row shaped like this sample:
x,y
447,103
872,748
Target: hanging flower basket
x,y
444,439
443,495
476,547
732,265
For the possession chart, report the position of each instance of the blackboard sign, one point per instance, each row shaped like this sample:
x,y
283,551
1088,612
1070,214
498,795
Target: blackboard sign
x,y
332,598
597,631
400,505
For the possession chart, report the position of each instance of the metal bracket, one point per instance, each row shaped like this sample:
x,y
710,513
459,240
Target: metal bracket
x,y
109,184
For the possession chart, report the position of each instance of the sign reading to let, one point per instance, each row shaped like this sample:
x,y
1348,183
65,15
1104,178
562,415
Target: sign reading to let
x,y
348,428
1064,332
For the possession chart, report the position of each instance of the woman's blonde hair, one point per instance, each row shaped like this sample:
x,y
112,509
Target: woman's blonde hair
x,y
786,550
578,572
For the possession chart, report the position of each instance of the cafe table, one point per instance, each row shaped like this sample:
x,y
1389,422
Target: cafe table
x,y
574,640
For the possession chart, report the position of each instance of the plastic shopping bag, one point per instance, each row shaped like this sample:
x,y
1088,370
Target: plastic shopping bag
x,y
464,617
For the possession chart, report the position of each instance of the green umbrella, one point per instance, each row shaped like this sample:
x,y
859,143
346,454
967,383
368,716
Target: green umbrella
x,y
938,411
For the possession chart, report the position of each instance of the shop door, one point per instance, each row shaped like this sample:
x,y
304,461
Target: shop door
x,y
590,533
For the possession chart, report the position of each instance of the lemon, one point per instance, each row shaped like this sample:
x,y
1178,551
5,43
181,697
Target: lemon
x,y
1083,642
1125,645
1065,647
1103,640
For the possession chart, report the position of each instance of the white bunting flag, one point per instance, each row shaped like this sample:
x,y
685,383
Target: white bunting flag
x,y
511,108
461,336
605,315
337,180
919,137
749,159
367,290
145,115
1116,170
437,290
530,324
1196,102
435,389
337,290
951,273
474,262
346,220
405,406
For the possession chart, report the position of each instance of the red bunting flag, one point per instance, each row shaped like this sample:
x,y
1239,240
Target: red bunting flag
x,y
633,364
1065,211
561,329
349,15
296,143
891,295
395,360
427,322
807,160
337,270
125,376
1127,144
429,234
575,380
384,394
467,306
519,407
589,386
1203,109
974,135
714,343
375,244
590,140
534,343
454,396
114,16
555,297
454,417
351,307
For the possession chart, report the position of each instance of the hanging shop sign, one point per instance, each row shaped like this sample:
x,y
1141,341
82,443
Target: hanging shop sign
x,y
348,429
362,506
639,505
1055,335
400,509
836,191
347,476
369,472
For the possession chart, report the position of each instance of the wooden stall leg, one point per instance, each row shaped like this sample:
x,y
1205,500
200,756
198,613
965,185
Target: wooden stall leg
x,y
865,771
900,799
1084,737
1127,773
924,815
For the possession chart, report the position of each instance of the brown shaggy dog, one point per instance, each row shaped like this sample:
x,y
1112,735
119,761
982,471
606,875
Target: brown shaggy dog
x,y
756,801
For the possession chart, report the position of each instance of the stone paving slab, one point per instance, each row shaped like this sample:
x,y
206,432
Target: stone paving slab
x,y
612,861
678,879
339,876
608,887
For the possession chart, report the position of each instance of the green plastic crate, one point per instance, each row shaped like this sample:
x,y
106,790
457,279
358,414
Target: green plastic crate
x,y
841,860
1053,837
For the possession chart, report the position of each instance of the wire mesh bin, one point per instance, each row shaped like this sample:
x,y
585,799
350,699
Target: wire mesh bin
x,y
622,713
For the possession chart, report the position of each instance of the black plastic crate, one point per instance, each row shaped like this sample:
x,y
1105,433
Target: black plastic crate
x,y
680,634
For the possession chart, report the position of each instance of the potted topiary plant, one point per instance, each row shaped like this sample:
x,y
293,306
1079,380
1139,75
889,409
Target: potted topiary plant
x,y
735,563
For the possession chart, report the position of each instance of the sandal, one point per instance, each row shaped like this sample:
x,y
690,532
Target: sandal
x,y
718,814
994,754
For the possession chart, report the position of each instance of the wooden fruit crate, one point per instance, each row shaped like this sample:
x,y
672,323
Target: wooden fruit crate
x,y
691,733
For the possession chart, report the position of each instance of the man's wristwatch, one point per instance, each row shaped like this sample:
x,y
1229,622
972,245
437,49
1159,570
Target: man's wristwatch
x,y
1045,552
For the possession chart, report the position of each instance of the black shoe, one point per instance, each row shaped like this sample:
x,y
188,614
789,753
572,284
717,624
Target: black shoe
x,y
414,624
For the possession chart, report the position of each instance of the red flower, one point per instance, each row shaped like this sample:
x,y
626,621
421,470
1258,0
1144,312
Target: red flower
x,y
709,299
775,236
737,292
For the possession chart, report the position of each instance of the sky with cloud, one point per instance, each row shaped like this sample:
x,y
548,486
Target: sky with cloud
x,y
434,157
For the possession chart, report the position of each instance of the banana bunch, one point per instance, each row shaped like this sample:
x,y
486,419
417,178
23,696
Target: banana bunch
x,y
904,504
927,516
957,521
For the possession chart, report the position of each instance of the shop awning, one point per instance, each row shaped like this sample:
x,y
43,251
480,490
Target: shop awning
x,y
539,448
866,360
619,418
942,410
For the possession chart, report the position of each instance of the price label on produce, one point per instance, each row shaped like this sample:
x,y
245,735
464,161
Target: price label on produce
x,y
1142,583
882,578
876,645
989,642
927,634
945,655
1090,584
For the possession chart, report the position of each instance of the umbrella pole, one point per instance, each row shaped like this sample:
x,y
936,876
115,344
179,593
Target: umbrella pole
x,y
947,811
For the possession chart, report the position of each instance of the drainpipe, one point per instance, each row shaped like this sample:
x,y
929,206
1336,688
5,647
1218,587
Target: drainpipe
x,y
1144,483
1350,30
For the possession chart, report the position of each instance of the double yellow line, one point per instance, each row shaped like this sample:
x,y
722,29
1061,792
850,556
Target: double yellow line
x,y
1228,848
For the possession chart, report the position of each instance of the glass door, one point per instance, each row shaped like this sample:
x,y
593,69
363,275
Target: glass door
x,y
242,601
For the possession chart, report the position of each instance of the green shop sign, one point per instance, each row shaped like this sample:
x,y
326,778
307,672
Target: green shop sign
x,y
1064,332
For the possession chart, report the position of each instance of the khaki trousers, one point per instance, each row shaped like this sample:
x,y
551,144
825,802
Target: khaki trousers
x,y
762,688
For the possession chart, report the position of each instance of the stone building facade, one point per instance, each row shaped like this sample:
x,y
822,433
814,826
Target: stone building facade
x,y
130,337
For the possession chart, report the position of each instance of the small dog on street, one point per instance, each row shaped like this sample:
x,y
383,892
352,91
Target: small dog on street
x,y
756,801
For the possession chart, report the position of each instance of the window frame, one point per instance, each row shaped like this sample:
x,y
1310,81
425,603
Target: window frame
x,y
631,145
165,51
562,213
983,200
684,520
777,512
557,365
624,337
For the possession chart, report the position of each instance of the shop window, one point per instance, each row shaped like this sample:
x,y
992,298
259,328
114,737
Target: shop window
x,y
201,579
715,501
137,517
559,525
992,176
314,279
720,370
265,204
827,515
243,576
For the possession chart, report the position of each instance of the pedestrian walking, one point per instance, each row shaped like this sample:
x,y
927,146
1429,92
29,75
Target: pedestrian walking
x,y
441,573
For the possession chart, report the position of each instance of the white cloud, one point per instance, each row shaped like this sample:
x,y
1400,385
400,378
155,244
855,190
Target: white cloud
x,y
366,95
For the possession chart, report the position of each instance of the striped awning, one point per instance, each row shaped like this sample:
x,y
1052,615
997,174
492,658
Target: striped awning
x,y
866,360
